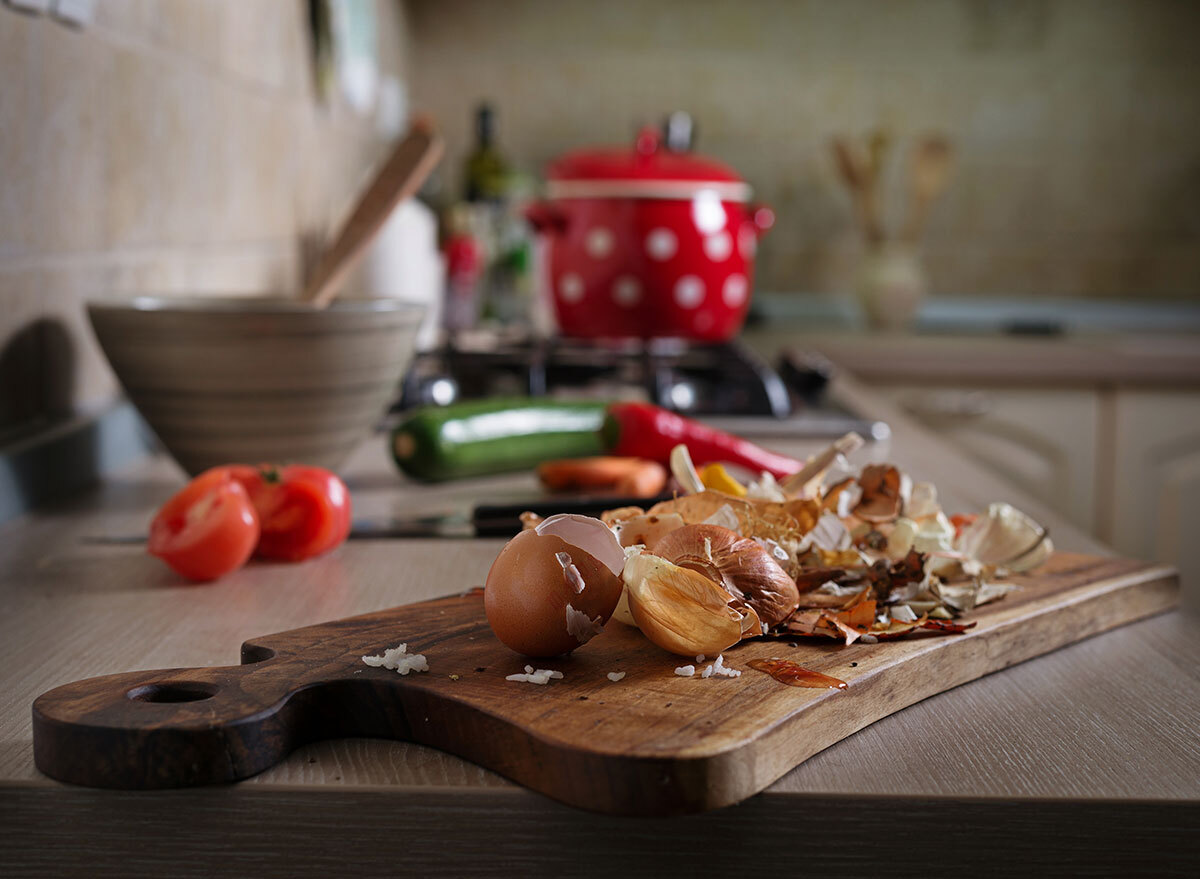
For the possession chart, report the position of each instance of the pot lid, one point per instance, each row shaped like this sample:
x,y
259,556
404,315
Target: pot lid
x,y
646,170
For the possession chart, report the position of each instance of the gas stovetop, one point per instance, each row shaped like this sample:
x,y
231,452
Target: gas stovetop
x,y
710,381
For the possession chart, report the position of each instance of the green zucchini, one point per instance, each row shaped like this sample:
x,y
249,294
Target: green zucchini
x,y
482,437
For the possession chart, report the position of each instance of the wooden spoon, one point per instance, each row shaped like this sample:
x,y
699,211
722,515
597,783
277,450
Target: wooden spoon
x,y
931,164
859,175
400,177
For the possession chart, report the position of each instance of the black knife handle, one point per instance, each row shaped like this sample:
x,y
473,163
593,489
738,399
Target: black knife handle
x,y
504,520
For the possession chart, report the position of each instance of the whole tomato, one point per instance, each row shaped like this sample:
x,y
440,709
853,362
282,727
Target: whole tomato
x,y
206,530
302,511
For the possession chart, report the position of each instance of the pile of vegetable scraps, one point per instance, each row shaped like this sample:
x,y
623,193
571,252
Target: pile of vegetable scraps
x,y
827,552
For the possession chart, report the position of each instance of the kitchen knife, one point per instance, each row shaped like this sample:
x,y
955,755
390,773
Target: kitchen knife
x,y
485,520
491,520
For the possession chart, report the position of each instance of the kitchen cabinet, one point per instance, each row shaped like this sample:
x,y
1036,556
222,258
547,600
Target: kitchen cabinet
x,y
1103,428
1045,442
1155,506
1123,464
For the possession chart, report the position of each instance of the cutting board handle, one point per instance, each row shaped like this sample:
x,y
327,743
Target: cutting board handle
x,y
187,726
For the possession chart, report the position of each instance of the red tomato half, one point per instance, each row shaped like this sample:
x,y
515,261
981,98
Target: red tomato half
x,y
206,530
303,511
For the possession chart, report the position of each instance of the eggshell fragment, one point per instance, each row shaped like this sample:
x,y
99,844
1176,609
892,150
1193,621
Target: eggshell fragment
x,y
590,535
647,528
532,599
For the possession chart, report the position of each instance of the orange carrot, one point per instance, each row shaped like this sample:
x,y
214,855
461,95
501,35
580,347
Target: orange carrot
x,y
633,476
649,479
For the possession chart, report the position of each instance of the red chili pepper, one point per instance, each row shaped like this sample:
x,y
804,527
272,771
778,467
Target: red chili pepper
x,y
641,430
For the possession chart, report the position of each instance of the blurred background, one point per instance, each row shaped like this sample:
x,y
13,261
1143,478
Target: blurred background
x,y
962,174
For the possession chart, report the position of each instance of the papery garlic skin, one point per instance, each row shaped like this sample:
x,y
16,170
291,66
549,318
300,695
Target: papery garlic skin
x,y
680,610
1006,537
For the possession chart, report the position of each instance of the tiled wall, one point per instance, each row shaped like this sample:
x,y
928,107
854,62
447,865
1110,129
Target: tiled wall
x,y
176,146
1077,122
170,146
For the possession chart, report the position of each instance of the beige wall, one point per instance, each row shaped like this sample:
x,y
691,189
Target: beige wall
x,y
170,146
1077,121
176,146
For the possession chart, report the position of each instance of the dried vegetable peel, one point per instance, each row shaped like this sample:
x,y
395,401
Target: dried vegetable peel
x,y
683,611
853,557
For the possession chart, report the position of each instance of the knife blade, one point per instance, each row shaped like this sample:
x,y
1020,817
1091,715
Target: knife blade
x,y
484,520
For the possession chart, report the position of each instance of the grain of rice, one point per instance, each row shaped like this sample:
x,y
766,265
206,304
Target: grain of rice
x,y
720,668
541,676
398,659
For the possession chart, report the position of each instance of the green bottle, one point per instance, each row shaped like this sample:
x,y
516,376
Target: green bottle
x,y
486,172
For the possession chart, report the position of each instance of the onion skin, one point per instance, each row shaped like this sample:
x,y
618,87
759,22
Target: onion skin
x,y
682,611
882,494
738,564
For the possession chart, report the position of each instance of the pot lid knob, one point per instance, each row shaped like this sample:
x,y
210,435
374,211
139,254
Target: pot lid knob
x,y
646,144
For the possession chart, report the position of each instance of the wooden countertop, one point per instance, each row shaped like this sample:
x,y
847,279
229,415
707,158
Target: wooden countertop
x,y
1058,756
1161,361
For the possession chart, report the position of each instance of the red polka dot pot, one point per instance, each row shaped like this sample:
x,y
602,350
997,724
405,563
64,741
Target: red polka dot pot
x,y
648,243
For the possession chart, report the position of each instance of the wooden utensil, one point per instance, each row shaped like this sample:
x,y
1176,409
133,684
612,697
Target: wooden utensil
x,y
844,445
856,171
652,743
400,177
932,161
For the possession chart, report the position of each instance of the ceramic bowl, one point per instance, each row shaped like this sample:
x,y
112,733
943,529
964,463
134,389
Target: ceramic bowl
x,y
239,380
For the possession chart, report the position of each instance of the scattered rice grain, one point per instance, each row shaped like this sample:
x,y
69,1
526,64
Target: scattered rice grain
x,y
398,660
541,676
720,668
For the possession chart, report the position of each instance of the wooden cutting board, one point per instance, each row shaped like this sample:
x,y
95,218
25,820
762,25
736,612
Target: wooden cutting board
x,y
652,743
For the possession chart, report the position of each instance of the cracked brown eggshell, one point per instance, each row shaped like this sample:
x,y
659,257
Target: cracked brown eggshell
x,y
537,606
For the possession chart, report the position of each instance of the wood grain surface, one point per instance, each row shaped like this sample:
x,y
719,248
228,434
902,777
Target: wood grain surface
x,y
653,743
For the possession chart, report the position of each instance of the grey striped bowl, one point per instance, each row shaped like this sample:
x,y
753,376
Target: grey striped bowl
x,y
233,380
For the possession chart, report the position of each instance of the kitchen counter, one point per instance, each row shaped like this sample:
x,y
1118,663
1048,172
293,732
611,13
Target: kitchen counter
x,y
1093,360
1086,759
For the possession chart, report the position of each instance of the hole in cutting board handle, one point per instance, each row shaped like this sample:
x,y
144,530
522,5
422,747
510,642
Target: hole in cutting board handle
x,y
181,691
252,653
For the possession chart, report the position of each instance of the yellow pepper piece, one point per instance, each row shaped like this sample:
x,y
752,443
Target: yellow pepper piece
x,y
717,478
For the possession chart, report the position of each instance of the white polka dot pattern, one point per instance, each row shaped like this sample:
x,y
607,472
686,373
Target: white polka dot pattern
x,y
627,291
689,291
599,242
718,247
570,288
747,241
661,244
707,212
734,291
